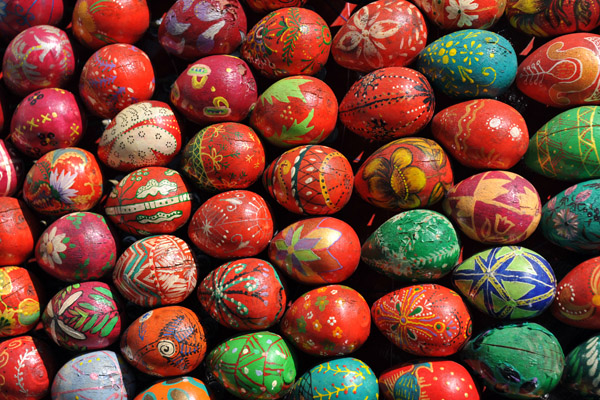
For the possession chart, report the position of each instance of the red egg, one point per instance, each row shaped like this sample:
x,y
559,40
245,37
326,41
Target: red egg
x,y
215,89
245,294
384,33
27,369
577,301
115,77
224,156
316,251
233,224
37,58
19,229
295,110
494,207
19,15
149,201
20,297
426,320
63,181
288,41
388,103
167,341
77,247
11,169
332,320
144,134
264,6
47,119
459,14
482,134
405,174
98,23
200,28
310,179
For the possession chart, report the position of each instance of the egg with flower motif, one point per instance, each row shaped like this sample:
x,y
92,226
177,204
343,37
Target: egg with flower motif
x,y
148,201
186,386
39,57
200,28
452,15
404,174
63,181
577,301
288,41
426,320
245,294
19,230
310,179
494,207
265,6
384,33
11,169
327,321
581,368
214,89
84,316
19,15
20,297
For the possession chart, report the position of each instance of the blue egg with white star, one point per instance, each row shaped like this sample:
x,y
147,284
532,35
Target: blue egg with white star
x,y
507,282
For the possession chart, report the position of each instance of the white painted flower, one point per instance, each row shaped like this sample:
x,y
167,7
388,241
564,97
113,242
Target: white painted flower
x,y
51,246
61,185
458,9
331,321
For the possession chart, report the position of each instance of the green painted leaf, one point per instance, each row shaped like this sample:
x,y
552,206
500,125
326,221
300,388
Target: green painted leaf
x,y
108,328
104,291
90,323
100,324
100,299
86,305
280,245
283,90
298,130
306,255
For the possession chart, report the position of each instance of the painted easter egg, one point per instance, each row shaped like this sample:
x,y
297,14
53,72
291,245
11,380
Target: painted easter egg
x,y
167,341
233,224
426,320
549,18
156,271
98,23
37,58
224,156
404,174
265,6
84,316
332,320
141,135
482,133
27,369
570,219
509,282
96,375
19,15
254,366
486,67
565,147
388,103
185,387
384,33
19,230
11,169
343,378
215,89
63,181
577,300
581,368
288,41
20,297
295,110
494,207
115,77
200,28
436,379
564,72
77,247
46,120
245,294
415,246
316,251
148,201
454,15
310,180
520,361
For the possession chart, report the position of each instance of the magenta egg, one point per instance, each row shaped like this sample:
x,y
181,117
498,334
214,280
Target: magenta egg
x,y
19,15
11,169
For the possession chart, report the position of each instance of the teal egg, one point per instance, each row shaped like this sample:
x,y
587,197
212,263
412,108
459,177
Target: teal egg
x,y
582,368
341,379
470,63
571,219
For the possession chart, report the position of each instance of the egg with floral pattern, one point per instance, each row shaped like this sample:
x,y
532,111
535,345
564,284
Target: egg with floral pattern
x,y
20,297
19,15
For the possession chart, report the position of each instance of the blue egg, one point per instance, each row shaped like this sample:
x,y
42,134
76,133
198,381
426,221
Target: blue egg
x,y
471,63
341,379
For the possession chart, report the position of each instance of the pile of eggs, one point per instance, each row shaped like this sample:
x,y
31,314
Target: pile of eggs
x,y
209,199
